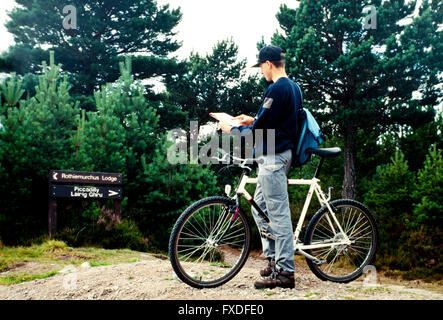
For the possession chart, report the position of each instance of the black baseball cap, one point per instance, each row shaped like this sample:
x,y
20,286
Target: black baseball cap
x,y
270,53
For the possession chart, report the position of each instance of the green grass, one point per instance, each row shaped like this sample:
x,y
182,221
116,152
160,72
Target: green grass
x,y
368,290
99,263
55,255
312,294
24,277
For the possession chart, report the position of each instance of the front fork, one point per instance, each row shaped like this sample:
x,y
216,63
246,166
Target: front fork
x,y
234,210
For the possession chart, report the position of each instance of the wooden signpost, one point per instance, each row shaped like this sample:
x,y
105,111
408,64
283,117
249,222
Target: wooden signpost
x,y
58,188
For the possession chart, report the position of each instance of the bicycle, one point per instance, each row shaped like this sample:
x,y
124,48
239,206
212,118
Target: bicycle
x,y
210,241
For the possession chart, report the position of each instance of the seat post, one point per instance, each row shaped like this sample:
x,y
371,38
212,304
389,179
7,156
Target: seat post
x,y
317,171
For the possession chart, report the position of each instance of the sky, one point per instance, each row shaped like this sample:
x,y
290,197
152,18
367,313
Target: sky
x,y
6,38
205,22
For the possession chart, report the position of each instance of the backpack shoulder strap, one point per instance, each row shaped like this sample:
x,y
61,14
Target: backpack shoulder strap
x,y
301,94
304,126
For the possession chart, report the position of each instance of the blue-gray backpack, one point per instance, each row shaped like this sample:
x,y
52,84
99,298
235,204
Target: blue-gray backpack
x,y
309,135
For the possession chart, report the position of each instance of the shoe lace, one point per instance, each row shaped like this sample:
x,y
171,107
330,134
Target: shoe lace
x,y
274,272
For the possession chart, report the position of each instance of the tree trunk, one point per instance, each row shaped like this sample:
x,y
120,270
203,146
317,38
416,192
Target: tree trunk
x,y
349,181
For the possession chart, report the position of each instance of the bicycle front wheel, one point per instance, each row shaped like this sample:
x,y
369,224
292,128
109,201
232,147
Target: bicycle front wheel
x,y
343,262
209,243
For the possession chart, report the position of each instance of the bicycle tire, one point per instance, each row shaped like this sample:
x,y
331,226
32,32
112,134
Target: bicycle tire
x,y
367,239
186,236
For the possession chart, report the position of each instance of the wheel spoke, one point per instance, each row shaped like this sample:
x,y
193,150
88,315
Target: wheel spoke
x,y
209,246
342,261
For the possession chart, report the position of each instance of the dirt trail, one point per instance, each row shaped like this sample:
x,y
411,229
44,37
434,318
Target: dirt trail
x,y
152,277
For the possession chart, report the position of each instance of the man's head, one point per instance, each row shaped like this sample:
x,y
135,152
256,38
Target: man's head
x,y
271,59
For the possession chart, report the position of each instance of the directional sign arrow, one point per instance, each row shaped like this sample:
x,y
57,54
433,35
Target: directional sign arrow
x,y
85,192
65,176
112,193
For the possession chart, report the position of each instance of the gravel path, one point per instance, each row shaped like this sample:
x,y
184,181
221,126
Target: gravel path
x,y
152,277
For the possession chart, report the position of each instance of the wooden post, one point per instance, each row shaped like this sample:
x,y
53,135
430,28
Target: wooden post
x,y
52,217
118,208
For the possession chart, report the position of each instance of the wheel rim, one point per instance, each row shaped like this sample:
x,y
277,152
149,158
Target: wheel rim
x,y
344,261
206,251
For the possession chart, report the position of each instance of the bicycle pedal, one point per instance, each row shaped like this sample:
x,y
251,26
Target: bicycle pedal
x,y
319,262
267,235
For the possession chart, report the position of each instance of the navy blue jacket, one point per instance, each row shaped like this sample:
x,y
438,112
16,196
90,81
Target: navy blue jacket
x,y
279,110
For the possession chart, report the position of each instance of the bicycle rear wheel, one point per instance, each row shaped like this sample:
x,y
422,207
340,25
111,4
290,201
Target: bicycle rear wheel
x,y
342,263
210,242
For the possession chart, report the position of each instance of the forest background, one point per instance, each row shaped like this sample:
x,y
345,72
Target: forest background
x,y
84,99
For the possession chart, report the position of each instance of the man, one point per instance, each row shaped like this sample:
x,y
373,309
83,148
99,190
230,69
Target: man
x,y
278,111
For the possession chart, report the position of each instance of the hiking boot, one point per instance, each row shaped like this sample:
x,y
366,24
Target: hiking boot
x,y
282,279
266,272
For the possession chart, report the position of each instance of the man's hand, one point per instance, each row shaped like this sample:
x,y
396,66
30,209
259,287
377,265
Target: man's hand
x,y
244,120
224,126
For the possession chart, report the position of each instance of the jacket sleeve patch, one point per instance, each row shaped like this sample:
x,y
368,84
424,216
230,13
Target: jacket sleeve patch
x,y
267,103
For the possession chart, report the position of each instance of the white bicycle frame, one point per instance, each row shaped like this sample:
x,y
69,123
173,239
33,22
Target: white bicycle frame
x,y
299,247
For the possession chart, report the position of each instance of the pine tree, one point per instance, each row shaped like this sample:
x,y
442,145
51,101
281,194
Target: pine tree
x,y
422,239
48,132
428,193
36,138
214,83
123,129
415,144
390,198
168,189
358,78
124,136
91,48
11,91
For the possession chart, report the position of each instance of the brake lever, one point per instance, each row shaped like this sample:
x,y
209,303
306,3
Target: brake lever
x,y
225,168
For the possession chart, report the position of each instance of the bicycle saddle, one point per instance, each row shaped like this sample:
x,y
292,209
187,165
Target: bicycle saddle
x,y
325,152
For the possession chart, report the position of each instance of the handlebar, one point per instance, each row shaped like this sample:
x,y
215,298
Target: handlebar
x,y
240,162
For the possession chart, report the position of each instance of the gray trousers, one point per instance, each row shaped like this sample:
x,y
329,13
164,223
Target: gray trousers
x,y
271,195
